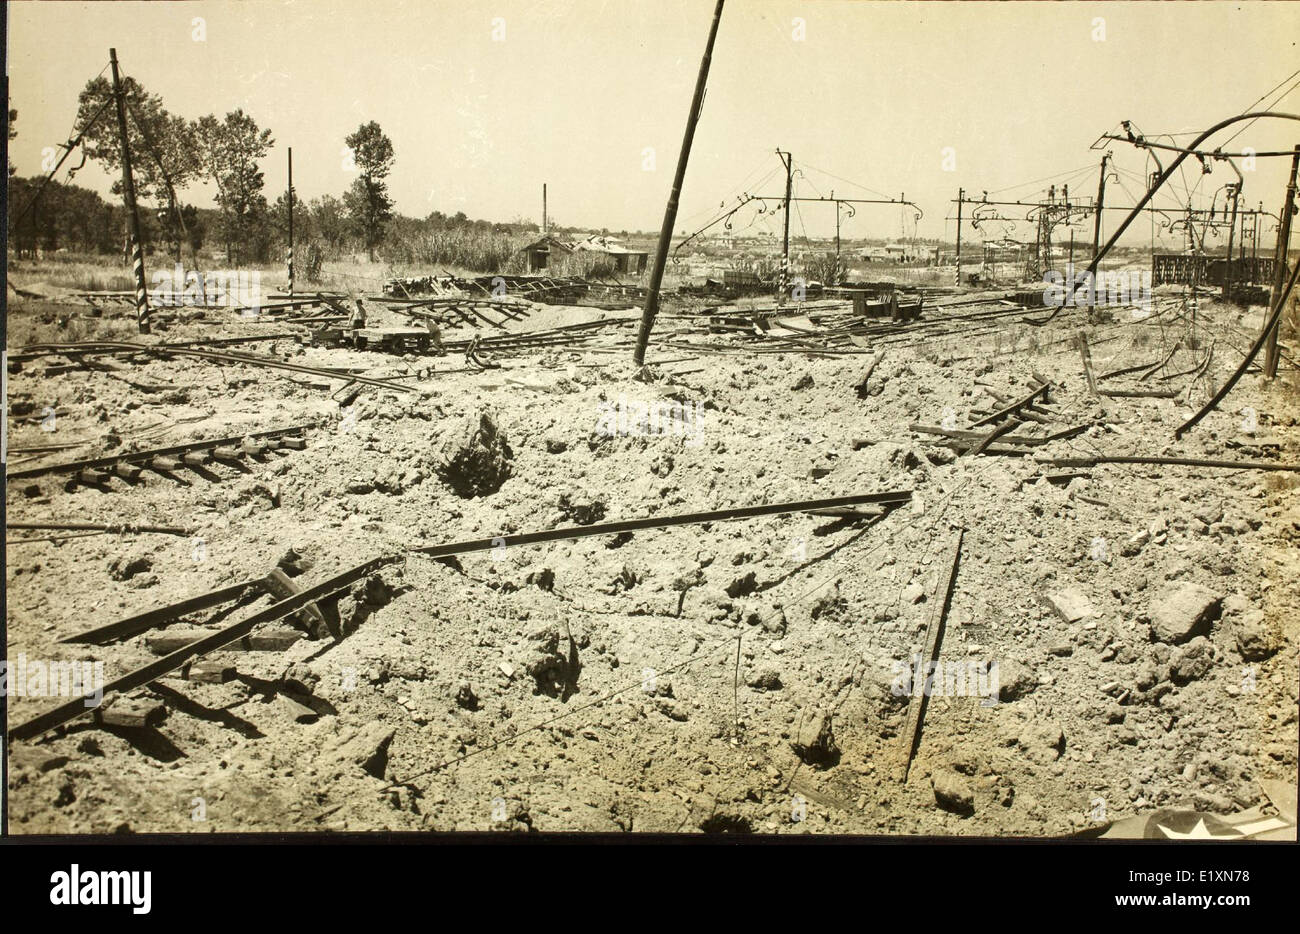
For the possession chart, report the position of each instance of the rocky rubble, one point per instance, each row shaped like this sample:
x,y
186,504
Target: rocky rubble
x,y
698,678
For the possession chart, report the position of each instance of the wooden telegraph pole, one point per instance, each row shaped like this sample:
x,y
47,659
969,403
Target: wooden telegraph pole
x,y
128,194
1101,198
961,196
1234,191
670,212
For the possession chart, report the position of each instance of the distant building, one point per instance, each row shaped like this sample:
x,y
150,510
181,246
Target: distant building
x,y
631,262
889,253
540,251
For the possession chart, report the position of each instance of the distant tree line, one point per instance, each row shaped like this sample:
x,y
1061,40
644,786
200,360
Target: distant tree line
x,y
171,154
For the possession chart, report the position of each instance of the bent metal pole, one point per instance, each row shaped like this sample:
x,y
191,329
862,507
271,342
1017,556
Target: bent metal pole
x,y
670,212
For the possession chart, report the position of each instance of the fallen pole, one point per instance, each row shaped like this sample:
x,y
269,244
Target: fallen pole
x,y
124,528
933,636
113,347
161,616
1014,408
568,533
1005,428
141,676
1166,461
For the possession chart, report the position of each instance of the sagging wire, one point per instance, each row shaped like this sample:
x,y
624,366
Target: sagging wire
x,y
67,148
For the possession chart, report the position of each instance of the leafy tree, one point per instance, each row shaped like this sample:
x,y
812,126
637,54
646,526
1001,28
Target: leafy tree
x,y
329,221
368,203
164,157
230,150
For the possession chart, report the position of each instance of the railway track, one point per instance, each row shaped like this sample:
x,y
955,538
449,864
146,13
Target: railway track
x,y
130,465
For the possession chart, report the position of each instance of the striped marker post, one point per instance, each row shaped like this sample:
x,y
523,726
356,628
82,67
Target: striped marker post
x,y
291,222
128,194
141,292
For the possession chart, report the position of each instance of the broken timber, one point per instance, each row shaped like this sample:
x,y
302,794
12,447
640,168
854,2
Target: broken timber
x,y
933,636
237,631
145,674
1005,428
1015,407
1093,461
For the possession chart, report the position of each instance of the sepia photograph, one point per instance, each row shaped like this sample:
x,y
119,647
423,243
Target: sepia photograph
x,y
860,421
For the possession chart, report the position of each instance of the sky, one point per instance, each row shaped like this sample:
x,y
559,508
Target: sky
x,y
486,101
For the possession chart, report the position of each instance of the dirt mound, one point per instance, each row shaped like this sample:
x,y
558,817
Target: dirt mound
x,y
474,456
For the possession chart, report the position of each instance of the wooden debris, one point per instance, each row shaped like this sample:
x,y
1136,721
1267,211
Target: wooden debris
x,y
933,637
133,712
269,640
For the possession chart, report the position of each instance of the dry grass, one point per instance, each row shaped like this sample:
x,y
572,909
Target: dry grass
x,y
47,323
79,273
481,251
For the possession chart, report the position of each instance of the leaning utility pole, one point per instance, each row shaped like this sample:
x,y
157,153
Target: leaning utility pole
x,y
1279,266
788,161
1101,197
961,196
128,194
291,225
670,212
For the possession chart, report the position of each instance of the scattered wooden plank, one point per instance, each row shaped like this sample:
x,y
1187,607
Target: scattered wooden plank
x,y
133,712
1005,428
204,671
933,638
1086,355
1138,393
270,640
1013,408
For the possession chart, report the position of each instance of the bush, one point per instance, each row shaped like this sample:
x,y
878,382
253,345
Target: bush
x,y
314,260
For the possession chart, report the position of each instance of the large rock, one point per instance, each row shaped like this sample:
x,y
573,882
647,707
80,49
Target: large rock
x,y
1014,680
552,661
952,793
125,567
1071,604
474,458
366,748
1257,639
1192,661
1256,636
815,742
1180,612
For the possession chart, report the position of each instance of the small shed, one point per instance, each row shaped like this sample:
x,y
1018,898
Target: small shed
x,y
630,262
540,251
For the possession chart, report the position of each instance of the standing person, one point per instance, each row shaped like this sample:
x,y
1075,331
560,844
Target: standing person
x,y
435,335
